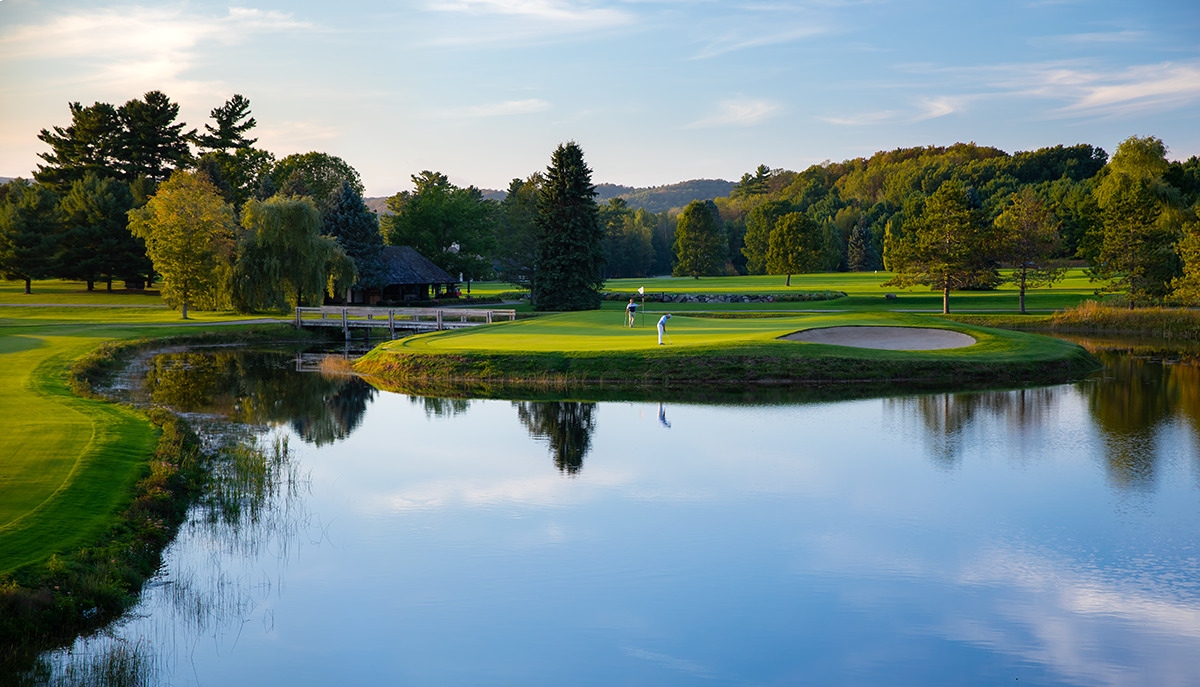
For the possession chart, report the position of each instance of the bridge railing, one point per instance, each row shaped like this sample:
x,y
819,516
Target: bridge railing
x,y
425,319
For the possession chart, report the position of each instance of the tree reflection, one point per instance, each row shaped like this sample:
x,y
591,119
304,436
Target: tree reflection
x,y
1129,404
257,387
947,417
566,425
441,407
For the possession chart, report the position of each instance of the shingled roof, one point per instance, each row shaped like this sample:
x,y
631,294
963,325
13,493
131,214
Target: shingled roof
x,y
406,266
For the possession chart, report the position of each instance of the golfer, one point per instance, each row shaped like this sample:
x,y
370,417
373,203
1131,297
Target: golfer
x,y
630,313
662,327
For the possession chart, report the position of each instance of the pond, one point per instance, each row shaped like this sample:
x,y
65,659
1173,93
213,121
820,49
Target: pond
x,y
1046,535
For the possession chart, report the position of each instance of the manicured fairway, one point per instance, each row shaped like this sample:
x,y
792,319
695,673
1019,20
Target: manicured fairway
x,y
66,463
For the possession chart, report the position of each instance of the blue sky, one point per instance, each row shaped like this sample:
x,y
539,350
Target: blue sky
x,y
654,91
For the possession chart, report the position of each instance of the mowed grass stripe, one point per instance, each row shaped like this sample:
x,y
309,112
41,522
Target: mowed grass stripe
x,y
67,463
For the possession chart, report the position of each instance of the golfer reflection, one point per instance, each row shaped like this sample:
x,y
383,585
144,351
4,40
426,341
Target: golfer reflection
x,y
662,416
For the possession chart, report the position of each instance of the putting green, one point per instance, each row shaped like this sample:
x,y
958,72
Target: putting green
x,y
577,350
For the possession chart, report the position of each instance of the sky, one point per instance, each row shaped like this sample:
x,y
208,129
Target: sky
x,y
654,91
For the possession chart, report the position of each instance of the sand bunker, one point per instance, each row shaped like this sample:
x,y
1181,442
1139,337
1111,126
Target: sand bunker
x,y
889,338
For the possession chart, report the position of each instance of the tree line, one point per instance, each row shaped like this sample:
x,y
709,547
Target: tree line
x,y
952,217
130,193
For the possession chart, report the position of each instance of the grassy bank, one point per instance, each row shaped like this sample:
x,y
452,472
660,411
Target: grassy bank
x,y
590,354
92,491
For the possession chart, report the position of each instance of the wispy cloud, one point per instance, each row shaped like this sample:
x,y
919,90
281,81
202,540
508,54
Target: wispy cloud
x,y
522,20
738,112
131,47
733,42
1093,92
932,108
1081,89
862,118
504,109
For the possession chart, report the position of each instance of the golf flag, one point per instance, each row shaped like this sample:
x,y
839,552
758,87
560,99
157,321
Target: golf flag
x,y
642,290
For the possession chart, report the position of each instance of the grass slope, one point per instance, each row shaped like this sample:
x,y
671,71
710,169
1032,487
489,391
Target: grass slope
x,y
67,464
592,349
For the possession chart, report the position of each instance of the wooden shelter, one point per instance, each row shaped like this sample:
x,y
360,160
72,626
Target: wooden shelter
x,y
410,277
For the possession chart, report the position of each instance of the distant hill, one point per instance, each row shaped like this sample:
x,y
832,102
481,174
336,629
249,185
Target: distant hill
x,y
5,180
652,198
661,198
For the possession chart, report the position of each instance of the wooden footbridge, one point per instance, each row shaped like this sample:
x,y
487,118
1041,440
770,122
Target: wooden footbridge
x,y
407,320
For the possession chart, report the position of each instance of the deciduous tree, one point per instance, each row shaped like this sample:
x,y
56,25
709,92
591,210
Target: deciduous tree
x,y
516,232
701,244
796,246
451,226
570,254
319,175
283,260
189,235
1028,238
1140,222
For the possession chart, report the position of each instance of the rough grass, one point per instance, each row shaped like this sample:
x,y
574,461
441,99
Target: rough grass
x,y
569,353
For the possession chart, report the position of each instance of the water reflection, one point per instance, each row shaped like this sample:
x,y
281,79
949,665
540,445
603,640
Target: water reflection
x,y
258,388
753,545
566,425
947,419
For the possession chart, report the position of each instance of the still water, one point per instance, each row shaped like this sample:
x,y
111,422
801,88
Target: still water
x,y
1049,536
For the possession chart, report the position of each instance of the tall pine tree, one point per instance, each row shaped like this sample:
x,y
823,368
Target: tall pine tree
x,y
28,228
570,252
356,229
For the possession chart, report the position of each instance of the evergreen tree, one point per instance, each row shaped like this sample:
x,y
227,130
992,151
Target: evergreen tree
x,y
95,243
152,142
92,143
233,121
701,244
947,248
861,255
570,253
28,228
567,426
356,229
188,230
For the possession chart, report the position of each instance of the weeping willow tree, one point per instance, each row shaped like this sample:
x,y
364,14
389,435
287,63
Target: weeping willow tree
x,y
283,260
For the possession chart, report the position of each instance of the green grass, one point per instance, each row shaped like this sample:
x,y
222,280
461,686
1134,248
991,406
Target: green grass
x,y
574,350
56,291
863,293
67,464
